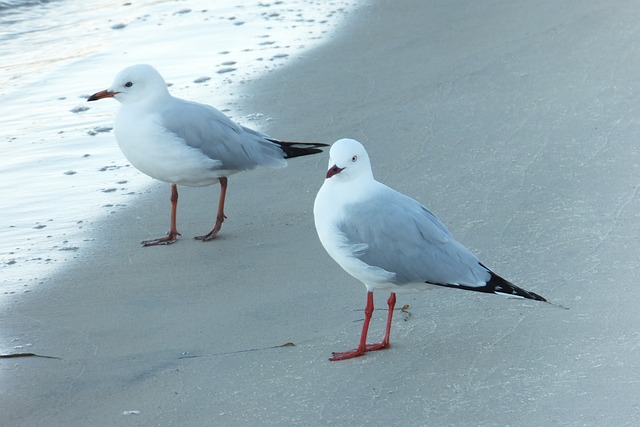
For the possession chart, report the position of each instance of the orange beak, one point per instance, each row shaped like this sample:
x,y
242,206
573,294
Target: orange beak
x,y
102,94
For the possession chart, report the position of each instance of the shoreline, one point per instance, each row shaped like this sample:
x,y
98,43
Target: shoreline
x,y
51,166
501,121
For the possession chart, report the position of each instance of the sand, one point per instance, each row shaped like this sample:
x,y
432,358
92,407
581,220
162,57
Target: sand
x,y
515,123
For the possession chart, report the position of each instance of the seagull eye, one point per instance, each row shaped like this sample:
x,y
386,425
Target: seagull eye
x,y
354,159
128,84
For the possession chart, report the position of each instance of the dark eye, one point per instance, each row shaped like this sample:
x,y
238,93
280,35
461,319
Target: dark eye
x,y
128,84
354,158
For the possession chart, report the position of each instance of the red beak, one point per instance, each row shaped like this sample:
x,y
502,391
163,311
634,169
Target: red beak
x,y
333,170
102,94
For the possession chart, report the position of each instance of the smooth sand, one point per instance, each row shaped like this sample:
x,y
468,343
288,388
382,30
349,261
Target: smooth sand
x,y
516,123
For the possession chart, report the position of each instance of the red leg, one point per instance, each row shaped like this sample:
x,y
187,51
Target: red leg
x,y
221,216
363,347
391,302
173,232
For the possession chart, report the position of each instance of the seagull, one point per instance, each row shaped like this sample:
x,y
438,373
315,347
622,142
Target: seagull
x,y
389,241
187,143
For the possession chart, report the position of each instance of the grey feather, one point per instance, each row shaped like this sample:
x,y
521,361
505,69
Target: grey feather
x,y
237,147
405,238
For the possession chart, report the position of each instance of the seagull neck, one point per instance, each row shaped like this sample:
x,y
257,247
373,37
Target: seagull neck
x,y
152,102
356,188
363,179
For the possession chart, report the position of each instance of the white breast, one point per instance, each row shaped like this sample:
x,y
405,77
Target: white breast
x,y
162,155
328,213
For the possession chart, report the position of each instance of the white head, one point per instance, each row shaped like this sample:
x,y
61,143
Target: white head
x,y
139,82
348,160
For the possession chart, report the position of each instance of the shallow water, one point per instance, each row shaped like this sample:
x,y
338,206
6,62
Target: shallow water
x,y
60,168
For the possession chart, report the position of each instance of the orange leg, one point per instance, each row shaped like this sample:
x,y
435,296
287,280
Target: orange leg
x,y
363,347
391,303
173,234
221,216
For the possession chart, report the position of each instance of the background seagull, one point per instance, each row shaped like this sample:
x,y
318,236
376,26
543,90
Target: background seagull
x,y
187,143
390,241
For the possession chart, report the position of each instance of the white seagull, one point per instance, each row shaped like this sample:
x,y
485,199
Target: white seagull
x,y
186,143
390,241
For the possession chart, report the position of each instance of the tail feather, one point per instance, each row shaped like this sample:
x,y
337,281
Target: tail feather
x,y
297,149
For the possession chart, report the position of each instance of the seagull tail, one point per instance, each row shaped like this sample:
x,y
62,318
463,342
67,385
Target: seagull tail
x,y
297,149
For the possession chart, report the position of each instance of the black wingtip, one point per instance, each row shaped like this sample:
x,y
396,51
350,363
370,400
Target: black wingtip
x,y
297,149
498,285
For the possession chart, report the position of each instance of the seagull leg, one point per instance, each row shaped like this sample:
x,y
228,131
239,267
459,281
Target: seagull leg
x,y
221,216
391,302
173,232
362,346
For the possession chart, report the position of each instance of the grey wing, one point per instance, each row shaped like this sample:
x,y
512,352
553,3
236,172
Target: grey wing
x,y
398,234
205,128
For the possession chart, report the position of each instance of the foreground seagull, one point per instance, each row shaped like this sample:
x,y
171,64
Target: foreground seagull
x,y
186,143
389,241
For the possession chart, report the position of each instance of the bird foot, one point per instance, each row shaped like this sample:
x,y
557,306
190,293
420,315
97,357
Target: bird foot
x,y
169,239
343,355
378,346
213,233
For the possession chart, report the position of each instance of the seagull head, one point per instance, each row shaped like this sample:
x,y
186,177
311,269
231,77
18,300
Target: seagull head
x,y
134,83
348,159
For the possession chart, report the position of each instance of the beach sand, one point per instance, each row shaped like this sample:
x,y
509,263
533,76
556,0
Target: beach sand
x,y
516,123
